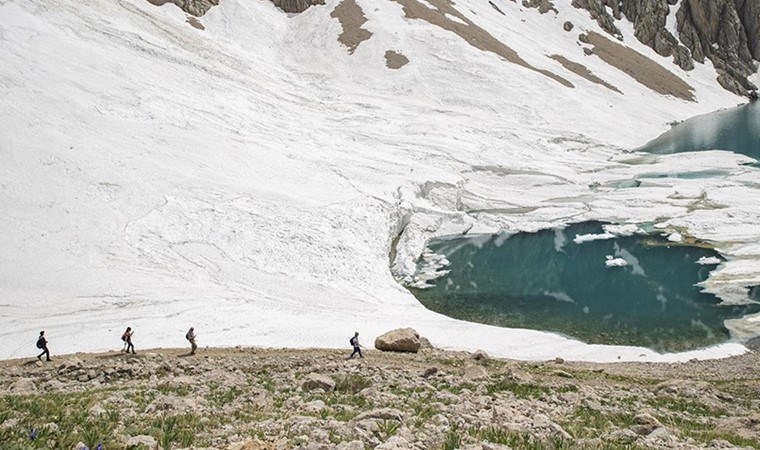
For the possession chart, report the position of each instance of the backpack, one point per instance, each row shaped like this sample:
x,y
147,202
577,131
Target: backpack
x,y
352,341
187,336
124,336
41,342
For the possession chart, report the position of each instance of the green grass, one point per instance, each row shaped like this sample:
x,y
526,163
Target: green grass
x,y
351,383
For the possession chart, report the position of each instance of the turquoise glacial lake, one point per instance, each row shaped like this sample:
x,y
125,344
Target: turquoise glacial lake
x,y
735,129
638,290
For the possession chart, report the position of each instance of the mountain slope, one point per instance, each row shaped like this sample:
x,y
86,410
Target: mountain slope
x,y
249,177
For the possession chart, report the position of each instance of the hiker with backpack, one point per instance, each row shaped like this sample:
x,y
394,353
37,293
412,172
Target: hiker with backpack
x,y
354,341
127,338
190,336
42,345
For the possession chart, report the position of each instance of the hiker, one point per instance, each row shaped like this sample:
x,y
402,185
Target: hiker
x,y
357,346
190,336
42,345
127,337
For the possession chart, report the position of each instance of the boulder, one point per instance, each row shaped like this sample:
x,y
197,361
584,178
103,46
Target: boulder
x,y
479,355
399,340
316,381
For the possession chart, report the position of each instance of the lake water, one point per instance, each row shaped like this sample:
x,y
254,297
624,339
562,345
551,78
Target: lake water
x,y
735,129
635,290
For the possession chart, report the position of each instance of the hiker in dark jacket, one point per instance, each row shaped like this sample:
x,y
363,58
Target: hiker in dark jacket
x,y
190,336
127,337
357,346
42,345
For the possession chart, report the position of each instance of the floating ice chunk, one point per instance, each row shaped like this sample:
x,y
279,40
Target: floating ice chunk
x,y
615,262
709,260
581,238
675,237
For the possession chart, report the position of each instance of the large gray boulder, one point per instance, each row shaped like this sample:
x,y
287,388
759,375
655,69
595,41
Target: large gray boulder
x,y
399,340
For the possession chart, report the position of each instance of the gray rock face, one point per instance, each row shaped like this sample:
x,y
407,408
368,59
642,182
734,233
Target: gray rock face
x,y
598,10
399,340
727,32
296,6
713,29
196,8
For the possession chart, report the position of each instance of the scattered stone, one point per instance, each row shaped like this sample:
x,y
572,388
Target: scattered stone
x,y
399,340
143,439
429,372
563,374
97,410
315,381
382,413
24,386
479,355
559,360
568,26
474,373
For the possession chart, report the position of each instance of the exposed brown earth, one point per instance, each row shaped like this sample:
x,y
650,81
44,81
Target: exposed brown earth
x,y
471,33
351,18
395,60
583,71
639,67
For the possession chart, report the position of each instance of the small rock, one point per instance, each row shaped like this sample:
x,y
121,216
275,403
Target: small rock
x,y
143,439
624,436
473,373
429,372
563,374
382,413
479,355
315,381
568,26
314,407
394,443
97,410
559,360
80,446
24,386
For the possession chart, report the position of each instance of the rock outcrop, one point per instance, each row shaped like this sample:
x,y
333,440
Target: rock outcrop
x,y
296,6
727,32
399,340
196,8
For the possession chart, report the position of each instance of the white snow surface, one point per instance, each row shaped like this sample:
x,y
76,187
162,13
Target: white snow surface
x,y
249,179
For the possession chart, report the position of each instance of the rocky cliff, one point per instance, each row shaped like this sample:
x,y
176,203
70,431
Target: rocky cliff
x,y
727,32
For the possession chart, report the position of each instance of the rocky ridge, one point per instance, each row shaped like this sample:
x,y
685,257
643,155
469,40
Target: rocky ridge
x,y
727,32
247,398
